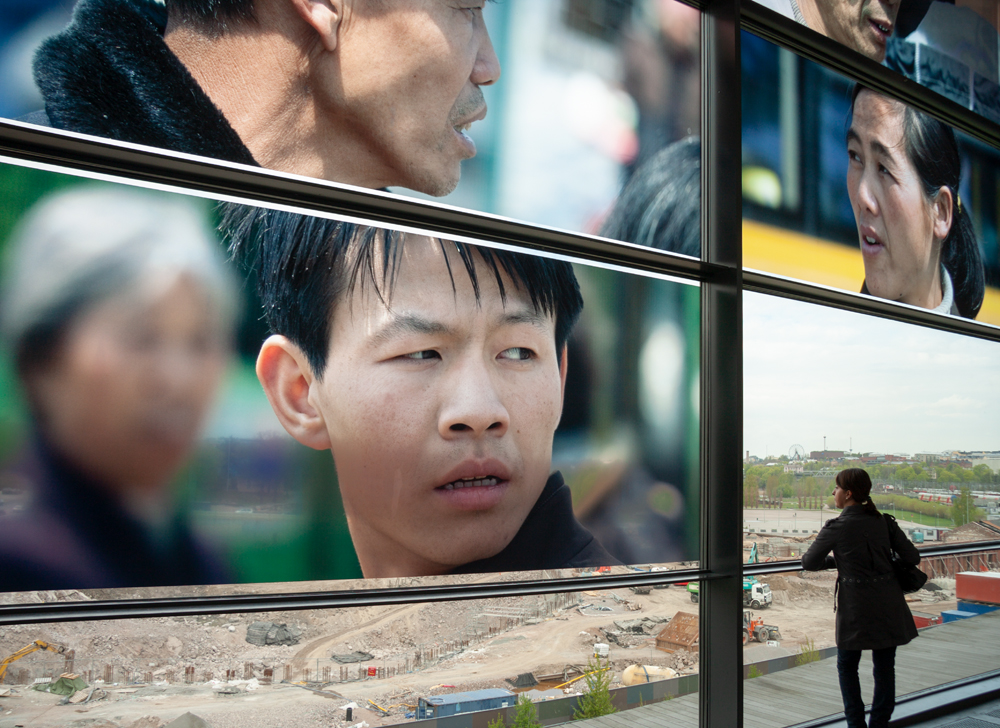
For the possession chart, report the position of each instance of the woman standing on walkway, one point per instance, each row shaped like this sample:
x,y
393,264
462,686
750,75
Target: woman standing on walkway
x,y
871,610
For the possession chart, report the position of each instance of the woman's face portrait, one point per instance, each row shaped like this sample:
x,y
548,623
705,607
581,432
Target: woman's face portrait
x,y
840,496
900,230
132,381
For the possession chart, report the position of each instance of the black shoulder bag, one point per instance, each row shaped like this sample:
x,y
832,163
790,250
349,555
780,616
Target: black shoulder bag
x,y
910,578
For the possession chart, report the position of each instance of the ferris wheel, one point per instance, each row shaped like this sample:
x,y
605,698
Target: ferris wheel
x,y
796,452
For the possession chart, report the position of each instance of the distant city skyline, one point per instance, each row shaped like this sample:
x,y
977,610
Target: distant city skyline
x,y
863,382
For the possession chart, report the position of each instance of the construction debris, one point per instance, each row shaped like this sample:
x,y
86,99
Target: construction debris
x,y
188,720
524,680
269,633
680,634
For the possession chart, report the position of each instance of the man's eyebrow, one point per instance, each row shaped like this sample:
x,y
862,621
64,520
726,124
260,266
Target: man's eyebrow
x,y
404,324
408,323
852,136
530,316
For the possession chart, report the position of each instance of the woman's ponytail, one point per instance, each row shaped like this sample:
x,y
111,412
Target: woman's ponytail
x,y
961,257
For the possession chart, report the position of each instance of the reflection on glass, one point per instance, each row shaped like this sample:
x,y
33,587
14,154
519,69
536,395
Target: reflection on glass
x,y
903,179
535,109
809,211
385,663
118,313
953,50
435,373
818,380
590,428
660,205
862,25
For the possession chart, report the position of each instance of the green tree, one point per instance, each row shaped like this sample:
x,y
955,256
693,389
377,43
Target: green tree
x,y
597,700
963,508
525,717
983,473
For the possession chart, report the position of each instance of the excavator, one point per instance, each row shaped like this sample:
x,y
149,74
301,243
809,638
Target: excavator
x,y
27,650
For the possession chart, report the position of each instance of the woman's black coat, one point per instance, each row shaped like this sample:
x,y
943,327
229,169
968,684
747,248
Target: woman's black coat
x,y
871,610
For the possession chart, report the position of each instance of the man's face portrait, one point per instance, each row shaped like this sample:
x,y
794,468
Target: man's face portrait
x,y
440,411
864,25
408,86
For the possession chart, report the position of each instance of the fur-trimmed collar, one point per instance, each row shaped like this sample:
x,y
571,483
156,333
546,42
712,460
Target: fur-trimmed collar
x,y
110,74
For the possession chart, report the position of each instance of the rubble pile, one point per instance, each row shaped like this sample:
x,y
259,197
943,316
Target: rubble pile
x,y
269,633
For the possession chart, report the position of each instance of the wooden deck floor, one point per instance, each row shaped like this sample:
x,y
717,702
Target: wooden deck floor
x,y
941,654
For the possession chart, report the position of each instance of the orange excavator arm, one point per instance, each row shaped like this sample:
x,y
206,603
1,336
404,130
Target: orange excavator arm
x,y
27,650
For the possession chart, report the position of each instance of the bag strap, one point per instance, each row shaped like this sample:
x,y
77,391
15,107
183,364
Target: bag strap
x,y
888,530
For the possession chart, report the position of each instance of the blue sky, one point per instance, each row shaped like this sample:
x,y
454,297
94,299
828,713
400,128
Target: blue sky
x,y
884,386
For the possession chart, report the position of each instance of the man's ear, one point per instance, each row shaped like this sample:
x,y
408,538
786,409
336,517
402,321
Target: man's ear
x,y
324,17
942,212
287,378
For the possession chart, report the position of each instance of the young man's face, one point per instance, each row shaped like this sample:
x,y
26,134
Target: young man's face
x,y
440,412
408,88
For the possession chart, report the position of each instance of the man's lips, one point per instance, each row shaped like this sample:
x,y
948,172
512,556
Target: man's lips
x,y
475,485
882,28
466,122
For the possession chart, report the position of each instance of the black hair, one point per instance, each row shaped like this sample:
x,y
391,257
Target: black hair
x,y
933,151
213,11
304,265
661,204
859,483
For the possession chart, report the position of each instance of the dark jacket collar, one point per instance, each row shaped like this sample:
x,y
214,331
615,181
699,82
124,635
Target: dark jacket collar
x,y
77,535
110,74
549,538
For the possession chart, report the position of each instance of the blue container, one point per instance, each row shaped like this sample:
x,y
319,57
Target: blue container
x,y
440,706
976,607
953,615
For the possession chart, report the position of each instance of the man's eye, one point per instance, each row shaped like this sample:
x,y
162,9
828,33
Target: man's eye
x,y
517,353
422,355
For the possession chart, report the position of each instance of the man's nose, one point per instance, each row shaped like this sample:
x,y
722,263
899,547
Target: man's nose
x,y
472,407
486,70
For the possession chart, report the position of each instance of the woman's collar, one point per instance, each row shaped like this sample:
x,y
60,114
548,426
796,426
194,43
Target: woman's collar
x,y
947,292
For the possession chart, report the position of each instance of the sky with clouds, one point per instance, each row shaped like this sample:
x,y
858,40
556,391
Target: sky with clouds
x,y
876,385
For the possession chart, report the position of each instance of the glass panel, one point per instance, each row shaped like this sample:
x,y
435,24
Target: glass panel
x,y
474,427
865,195
540,110
919,402
948,46
387,664
805,653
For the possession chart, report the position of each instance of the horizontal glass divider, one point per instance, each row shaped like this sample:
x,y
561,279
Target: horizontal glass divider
x,y
969,547
787,33
814,293
239,603
253,185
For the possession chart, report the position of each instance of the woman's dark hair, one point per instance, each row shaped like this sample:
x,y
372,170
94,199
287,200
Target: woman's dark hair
x,y
932,149
858,482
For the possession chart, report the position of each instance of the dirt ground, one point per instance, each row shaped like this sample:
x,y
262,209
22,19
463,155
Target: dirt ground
x,y
487,645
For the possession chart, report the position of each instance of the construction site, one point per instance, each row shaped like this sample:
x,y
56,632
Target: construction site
x,y
378,665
